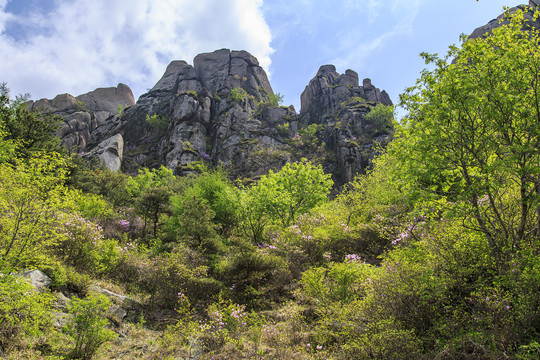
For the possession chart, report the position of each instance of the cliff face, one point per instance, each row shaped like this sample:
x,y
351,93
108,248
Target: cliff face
x,y
222,111
340,106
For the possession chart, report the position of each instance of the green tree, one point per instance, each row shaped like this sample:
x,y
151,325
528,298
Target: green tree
x,y
472,135
381,116
31,195
296,189
216,192
151,190
32,131
88,326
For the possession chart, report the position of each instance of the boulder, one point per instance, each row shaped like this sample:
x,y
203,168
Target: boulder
x,y
39,280
109,152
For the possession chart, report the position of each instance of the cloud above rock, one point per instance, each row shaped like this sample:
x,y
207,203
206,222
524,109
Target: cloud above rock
x,y
77,45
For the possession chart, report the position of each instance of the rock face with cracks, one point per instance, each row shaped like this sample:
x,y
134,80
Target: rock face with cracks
x,y
222,111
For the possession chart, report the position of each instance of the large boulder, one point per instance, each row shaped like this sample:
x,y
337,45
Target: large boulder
x,y
39,280
109,152
84,113
108,99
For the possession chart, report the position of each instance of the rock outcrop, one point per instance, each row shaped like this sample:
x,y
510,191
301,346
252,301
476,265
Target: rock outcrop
x,y
109,152
340,105
222,111
85,113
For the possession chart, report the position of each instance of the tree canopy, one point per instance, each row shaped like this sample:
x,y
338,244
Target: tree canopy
x,y
472,134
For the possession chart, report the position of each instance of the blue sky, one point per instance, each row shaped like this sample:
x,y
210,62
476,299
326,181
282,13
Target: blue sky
x,y
48,47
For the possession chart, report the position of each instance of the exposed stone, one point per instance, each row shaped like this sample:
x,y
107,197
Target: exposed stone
x,y
109,152
221,110
108,99
39,280
338,104
61,301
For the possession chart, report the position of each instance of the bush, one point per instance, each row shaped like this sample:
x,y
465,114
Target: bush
x,y
24,313
157,122
88,327
339,282
237,95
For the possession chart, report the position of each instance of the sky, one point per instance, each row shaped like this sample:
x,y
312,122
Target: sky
x,y
50,47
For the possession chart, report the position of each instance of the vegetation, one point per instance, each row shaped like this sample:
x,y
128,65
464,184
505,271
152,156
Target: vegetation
x,y
433,254
157,122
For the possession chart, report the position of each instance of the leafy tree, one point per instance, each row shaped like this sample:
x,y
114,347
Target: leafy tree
x,y
31,195
33,131
294,190
94,178
88,326
7,146
151,190
381,116
216,192
472,135
24,312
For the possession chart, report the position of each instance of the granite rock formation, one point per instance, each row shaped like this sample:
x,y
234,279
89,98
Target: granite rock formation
x,y
85,113
339,105
222,111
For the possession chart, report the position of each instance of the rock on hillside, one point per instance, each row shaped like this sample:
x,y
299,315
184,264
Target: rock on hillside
x,y
339,105
84,113
222,111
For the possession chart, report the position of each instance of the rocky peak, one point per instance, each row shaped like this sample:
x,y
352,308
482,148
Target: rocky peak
x,y
85,113
328,89
222,111
339,106
218,72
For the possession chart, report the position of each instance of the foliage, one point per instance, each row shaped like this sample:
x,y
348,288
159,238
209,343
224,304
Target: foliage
x,y
216,192
294,190
84,246
151,190
381,116
157,122
7,146
24,313
120,110
30,130
87,327
237,95
471,136
99,180
31,194
339,282
275,99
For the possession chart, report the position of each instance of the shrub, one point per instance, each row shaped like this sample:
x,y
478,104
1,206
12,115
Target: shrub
x,y
24,313
339,282
237,95
157,122
30,196
88,327
214,190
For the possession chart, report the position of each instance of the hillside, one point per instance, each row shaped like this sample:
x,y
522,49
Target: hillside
x,y
207,221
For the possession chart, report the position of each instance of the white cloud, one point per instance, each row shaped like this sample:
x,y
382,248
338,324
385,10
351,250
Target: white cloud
x,y
93,43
